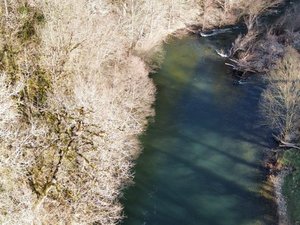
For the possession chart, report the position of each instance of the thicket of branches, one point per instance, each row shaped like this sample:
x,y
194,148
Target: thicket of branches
x,y
74,96
273,51
261,47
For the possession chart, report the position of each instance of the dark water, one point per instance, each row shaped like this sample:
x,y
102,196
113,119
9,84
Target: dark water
x,y
201,162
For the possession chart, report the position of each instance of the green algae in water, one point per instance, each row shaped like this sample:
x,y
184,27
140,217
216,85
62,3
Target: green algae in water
x,y
201,158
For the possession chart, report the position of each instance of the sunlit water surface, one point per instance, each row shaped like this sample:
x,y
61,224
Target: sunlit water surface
x,y
201,162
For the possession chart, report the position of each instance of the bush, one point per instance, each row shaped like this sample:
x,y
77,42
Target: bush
x,y
281,100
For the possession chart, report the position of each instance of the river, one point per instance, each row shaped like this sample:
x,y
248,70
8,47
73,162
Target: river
x,y
202,152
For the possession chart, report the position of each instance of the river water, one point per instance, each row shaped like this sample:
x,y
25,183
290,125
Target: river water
x,y
203,151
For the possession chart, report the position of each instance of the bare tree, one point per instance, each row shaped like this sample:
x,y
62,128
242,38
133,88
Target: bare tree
x,y
281,100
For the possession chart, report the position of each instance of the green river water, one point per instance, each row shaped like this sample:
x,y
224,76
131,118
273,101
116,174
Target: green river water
x,y
203,151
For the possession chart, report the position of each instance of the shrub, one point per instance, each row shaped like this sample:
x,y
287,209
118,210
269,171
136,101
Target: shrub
x,y
281,100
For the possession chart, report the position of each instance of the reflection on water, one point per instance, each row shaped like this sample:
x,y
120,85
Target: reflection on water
x,y
201,159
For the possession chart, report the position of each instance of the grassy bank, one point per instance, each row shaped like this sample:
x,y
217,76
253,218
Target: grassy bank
x,y
75,95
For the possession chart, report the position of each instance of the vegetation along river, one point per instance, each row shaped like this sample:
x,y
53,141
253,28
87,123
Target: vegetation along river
x,y
203,151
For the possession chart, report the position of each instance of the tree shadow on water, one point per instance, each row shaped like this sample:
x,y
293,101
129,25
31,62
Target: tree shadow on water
x,y
178,184
182,198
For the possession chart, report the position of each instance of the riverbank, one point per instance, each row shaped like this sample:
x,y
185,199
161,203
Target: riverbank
x,y
274,53
75,95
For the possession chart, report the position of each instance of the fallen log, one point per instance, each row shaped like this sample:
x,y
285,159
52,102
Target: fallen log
x,y
284,144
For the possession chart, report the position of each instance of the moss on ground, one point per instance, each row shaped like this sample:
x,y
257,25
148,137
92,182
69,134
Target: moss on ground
x,y
37,87
18,58
14,38
30,18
